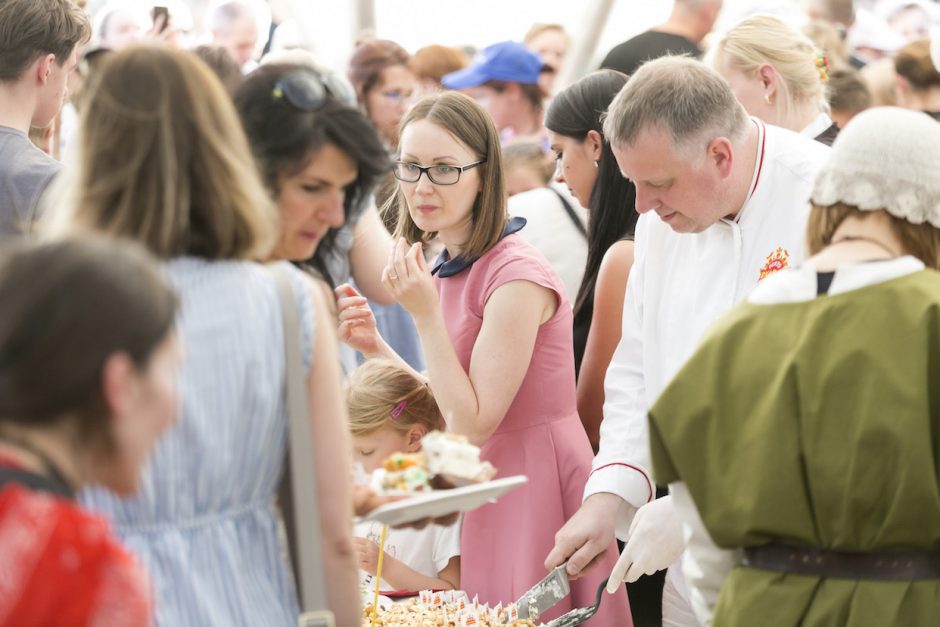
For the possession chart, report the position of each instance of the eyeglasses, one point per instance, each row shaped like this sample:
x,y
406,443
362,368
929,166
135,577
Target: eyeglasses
x,y
308,91
397,95
437,174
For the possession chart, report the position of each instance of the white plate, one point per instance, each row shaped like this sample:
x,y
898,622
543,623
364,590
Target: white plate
x,y
443,502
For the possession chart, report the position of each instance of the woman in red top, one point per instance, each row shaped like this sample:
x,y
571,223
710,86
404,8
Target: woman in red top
x,y
88,366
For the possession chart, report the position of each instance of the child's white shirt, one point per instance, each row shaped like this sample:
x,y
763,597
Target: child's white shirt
x,y
426,551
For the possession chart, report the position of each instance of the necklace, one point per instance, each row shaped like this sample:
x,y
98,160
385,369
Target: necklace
x,y
52,470
861,238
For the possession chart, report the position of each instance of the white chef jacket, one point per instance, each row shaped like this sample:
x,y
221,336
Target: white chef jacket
x,y
818,126
679,285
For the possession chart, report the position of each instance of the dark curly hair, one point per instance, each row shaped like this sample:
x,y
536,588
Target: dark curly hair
x,y
285,138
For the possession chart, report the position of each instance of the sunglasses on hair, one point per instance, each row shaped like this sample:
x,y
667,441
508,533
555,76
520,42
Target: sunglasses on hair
x,y
308,91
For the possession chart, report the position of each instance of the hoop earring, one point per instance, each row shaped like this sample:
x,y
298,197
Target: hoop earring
x,y
597,163
768,100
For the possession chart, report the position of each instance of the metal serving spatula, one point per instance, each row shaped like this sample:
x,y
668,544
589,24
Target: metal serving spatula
x,y
545,594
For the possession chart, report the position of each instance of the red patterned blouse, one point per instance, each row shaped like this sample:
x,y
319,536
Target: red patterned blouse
x,y
60,565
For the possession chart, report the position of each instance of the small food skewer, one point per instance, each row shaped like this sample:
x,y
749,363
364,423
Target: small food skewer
x,y
378,575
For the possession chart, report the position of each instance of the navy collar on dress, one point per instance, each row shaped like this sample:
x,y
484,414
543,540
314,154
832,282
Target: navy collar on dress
x,y
449,267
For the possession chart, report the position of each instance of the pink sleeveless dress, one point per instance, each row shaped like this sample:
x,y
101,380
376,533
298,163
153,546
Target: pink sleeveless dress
x,y
504,545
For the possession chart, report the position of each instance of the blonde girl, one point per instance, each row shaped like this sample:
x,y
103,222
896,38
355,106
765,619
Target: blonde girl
x,y
390,410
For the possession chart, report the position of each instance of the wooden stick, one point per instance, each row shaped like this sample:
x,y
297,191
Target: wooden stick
x,y
378,575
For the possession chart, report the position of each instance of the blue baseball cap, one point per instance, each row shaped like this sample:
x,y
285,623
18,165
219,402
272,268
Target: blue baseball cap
x,y
506,61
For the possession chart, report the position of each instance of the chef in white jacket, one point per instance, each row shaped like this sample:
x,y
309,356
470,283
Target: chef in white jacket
x,y
724,201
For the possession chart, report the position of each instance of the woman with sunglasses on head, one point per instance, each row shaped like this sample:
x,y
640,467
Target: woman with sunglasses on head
x,y
88,368
164,161
495,325
587,166
321,158
318,156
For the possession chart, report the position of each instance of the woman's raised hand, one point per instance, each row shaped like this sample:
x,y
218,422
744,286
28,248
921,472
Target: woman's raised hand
x,y
356,322
408,279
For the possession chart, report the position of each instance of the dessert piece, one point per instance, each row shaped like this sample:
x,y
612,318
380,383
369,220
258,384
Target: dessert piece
x,y
402,461
444,609
453,457
412,479
446,461
402,472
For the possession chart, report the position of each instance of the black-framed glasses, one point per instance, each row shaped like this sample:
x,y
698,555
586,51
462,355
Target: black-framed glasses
x,y
308,91
438,174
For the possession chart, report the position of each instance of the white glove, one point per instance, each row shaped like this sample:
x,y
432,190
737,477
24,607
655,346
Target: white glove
x,y
654,542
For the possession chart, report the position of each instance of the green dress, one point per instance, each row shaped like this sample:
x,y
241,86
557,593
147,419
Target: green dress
x,y
814,423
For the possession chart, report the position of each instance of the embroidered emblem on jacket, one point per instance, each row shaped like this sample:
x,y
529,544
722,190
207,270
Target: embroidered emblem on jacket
x,y
775,262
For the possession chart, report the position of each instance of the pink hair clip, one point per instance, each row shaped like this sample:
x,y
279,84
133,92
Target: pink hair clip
x,y
398,410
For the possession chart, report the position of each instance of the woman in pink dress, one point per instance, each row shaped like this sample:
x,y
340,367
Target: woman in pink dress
x,y
495,326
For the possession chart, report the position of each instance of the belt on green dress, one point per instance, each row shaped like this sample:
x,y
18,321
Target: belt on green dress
x,y
871,565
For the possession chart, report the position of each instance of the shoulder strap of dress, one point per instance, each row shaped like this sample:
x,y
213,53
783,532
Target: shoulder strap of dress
x,y
298,495
27,479
575,220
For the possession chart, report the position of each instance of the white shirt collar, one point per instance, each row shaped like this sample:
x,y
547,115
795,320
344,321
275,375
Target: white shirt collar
x,y
799,284
818,126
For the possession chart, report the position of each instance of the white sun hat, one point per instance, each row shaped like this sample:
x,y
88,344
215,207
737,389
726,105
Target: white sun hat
x,y
885,158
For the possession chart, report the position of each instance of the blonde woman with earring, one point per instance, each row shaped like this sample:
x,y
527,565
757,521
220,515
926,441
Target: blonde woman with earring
x,y
778,75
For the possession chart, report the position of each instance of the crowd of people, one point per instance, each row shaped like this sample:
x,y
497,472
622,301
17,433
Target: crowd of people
x,y
692,296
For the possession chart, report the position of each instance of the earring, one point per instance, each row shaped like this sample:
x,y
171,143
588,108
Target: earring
x,y
767,99
597,163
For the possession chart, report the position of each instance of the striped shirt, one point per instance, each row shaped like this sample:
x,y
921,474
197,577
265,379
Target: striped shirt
x,y
204,521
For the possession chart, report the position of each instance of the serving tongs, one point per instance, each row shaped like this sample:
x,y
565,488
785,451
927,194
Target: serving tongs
x,y
581,614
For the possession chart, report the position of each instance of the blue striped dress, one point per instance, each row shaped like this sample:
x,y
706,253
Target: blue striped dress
x,y
204,522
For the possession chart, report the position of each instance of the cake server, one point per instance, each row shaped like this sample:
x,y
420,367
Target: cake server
x,y
545,594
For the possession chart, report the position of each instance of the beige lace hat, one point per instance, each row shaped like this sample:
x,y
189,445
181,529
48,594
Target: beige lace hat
x,y
885,158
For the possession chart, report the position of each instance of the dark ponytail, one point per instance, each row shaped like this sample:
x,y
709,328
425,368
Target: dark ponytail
x,y
612,209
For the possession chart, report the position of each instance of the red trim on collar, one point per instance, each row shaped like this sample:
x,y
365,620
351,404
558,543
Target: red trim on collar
x,y
649,484
760,161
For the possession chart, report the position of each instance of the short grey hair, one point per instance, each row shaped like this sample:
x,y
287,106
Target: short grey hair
x,y
227,13
677,95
